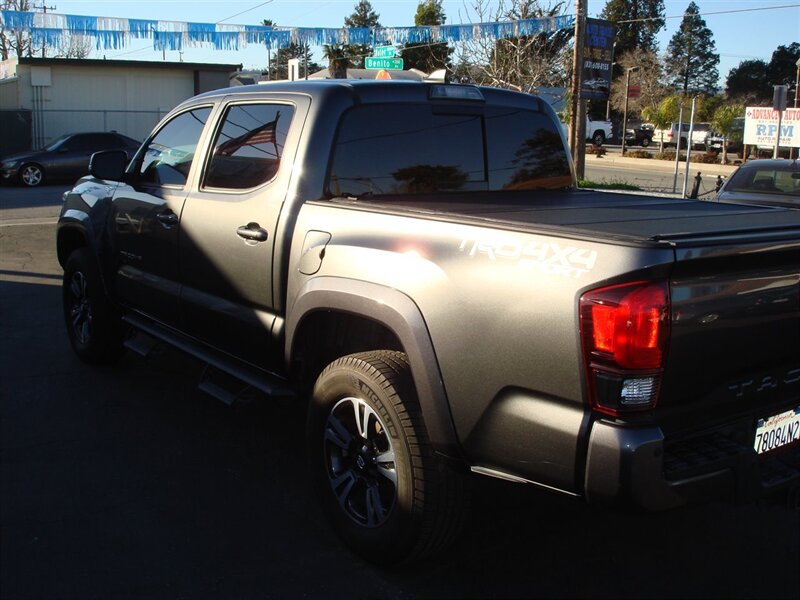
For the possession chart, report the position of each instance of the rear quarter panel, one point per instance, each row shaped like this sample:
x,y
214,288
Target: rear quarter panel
x,y
501,310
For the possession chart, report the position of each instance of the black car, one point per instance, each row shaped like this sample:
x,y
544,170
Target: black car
x,y
639,136
66,158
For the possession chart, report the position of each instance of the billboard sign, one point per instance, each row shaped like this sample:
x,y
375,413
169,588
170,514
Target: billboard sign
x,y
598,56
761,127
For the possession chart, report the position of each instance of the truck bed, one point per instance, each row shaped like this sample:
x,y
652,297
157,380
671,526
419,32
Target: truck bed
x,y
623,218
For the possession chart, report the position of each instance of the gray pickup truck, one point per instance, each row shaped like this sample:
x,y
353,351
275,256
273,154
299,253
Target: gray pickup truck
x,y
415,262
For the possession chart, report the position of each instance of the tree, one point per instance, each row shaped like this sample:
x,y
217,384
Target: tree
x,y
423,56
748,83
279,68
663,115
362,16
634,34
723,123
524,62
17,43
338,60
649,79
782,69
692,62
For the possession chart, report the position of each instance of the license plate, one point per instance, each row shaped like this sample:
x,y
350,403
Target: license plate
x,y
777,430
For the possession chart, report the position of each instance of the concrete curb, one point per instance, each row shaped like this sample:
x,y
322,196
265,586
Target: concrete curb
x,y
650,164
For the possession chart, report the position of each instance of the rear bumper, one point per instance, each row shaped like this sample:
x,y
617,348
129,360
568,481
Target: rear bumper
x,y
635,466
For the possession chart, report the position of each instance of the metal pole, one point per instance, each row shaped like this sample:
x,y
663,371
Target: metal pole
x,y
577,60
689,147
625,110
677,150
778,135
580,135
796,91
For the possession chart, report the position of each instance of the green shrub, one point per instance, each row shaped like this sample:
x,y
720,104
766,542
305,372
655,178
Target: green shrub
x,y
614,184
638,154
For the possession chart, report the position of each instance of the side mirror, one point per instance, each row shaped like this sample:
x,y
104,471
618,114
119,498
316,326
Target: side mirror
x,y
109,164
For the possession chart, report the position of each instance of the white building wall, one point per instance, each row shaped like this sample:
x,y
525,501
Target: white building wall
x,y
130,101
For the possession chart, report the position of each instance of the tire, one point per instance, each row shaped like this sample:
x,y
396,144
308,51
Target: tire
x,y
645,142
598,138
31,175
363,412
93,325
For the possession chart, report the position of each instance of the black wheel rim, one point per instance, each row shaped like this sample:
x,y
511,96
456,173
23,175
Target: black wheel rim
x,y
79,308
360,462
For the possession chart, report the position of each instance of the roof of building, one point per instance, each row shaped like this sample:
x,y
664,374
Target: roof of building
x,y
128,64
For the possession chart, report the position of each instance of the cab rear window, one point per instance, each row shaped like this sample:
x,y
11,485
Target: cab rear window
x,y
419,148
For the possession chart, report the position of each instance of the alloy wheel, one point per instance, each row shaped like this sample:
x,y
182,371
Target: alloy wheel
x,y
360,461
80,308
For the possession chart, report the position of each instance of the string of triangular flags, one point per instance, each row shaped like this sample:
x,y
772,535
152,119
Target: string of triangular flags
x,y
114,33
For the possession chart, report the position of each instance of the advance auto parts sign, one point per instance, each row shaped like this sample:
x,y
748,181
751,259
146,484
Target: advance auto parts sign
x,y
598,56
761,127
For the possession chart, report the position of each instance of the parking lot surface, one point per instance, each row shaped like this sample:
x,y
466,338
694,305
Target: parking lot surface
x,y
129,482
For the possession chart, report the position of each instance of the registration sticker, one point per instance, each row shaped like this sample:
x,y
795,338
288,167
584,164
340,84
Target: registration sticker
x,y
777,430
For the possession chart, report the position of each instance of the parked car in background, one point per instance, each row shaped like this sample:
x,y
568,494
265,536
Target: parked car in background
x,y
670,135
767,182
639,136
65,158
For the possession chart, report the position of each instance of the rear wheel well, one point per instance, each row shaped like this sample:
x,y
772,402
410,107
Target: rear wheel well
x,y
324,336
69,240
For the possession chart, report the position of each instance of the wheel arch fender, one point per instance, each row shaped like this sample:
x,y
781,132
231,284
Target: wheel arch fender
x,y
398,313
76,230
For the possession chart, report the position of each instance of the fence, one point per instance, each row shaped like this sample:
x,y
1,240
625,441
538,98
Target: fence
x,y
15,126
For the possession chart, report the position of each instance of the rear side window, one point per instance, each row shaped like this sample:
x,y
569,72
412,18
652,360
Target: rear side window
x,y
169,155
248,146
416,149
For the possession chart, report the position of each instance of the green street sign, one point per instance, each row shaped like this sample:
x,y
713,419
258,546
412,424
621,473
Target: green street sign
x,y
377,62
384,52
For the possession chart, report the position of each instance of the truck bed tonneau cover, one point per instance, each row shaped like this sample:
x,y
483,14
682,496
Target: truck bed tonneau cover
x,y
584,213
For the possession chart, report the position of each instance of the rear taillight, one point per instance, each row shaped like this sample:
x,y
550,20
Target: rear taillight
x,y
625,332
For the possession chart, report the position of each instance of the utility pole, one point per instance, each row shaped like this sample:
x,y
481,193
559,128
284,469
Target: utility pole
x,y
625,110
578,113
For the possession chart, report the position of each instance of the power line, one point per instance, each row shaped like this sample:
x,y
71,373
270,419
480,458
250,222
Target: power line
x,y
244,11
704,14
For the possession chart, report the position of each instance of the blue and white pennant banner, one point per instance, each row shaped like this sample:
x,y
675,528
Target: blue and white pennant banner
x,y
115,33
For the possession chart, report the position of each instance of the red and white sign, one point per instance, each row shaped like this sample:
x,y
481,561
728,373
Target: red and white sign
x,y
761,127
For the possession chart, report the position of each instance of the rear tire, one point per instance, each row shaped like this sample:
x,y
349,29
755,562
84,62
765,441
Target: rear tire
x,y
93,324
386,493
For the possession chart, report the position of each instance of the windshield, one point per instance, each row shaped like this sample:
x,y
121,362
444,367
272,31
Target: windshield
x,y
54,146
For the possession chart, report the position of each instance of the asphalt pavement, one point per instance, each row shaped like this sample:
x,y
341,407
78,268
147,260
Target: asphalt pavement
x,y
128,482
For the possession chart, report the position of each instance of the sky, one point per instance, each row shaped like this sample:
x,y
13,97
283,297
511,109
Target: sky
x,y
739,36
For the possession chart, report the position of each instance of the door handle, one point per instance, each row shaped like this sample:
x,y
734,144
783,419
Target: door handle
x,y
253,232
167,218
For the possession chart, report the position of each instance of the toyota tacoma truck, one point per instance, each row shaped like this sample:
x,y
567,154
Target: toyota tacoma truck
x,y
413,261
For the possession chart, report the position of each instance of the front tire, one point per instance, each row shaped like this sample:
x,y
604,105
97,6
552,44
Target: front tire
x,y
384,490
93,324
599,138
31,175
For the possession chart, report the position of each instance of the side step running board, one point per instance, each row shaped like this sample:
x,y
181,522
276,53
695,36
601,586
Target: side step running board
x,y
154,334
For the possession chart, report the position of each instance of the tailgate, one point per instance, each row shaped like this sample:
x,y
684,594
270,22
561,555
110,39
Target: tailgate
x,y
735,340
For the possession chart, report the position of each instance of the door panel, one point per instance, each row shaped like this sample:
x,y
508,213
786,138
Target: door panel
x,y
146,218
228,229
